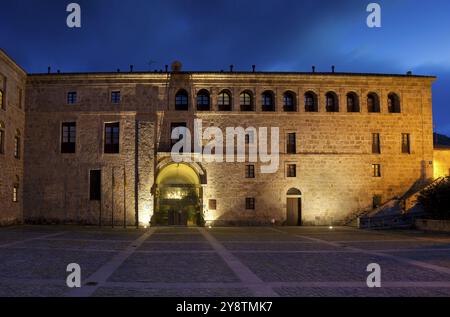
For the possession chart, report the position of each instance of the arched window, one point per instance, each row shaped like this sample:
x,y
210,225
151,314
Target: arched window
x,y
2,137
2,104
224,101
393,103
203,100
332,104
246,101
182,101
294,192
311,102
352,102
267,101
373,102
289,102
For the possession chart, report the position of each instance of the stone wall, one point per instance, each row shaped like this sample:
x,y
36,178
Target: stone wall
x,y
441,162
12,123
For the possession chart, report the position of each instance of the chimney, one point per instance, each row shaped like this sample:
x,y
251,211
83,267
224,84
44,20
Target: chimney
x,y
131,68
409,73
254,68
314,69
332,68
231,68
49,70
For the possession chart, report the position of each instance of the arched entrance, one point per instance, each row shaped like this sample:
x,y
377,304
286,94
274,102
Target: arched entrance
x,y
178,196
294,207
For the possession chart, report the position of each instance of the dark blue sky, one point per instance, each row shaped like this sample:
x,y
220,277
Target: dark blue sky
x,y
278,35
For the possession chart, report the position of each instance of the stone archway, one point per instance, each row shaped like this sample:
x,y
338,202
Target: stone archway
x,y
294,207
178,195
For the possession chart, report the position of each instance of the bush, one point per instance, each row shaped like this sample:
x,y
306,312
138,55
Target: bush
x,y
435,199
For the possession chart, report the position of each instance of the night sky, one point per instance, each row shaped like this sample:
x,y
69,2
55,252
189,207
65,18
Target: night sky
x,y
276,35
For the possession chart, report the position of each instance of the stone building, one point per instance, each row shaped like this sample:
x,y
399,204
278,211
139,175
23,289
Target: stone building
x,y
97,145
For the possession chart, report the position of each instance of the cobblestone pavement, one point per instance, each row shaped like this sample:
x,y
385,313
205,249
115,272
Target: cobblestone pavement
x,y
222,262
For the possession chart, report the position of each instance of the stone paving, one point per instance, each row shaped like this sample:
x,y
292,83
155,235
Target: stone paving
x,y
222,262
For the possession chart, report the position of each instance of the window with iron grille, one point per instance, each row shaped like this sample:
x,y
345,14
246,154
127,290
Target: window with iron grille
x,y
250,203
291,143
292,170
72,97
288,103
115,97
112,137
68,137
212,204
376,170
376,148
246,102
406,143
224,102
181,101
250,171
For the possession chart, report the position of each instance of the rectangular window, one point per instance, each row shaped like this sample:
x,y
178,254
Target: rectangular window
x,y
406,144
376,148
2,142
291,143
17,147
250,171
250,203
212,204
68,137
292,170
376,170
115,97
95,185
112,133
173,126
15,197
71,97
376,201
2,101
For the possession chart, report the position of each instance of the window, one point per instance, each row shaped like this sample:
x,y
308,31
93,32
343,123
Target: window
x,y
71,97
373,103
250,203
224,101
267,101
115,97
393,103
246,102
376,148
203,101
292,170
311,102
15,196
19,98
95,185
112,133
289,102
376,170
17,145
2,101
376,201
181,101
2,138
212,204
331,102
406,143
352,102
68,137
291,143
173,126
250,171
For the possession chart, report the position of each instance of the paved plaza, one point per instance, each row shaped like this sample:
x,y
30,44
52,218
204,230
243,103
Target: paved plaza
x,y
222,262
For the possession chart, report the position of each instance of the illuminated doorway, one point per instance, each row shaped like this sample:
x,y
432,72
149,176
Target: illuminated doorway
x,y
294,207
178,196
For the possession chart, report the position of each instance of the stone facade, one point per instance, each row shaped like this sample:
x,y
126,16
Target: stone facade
x,y
441,162
12,127
333,154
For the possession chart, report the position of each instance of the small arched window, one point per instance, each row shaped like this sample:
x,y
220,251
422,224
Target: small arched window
x,y
373,103
224,101
182,101
2,103
203,100
246,101
289,102
2,137
352,102
268,101
393,103
332,104
311,102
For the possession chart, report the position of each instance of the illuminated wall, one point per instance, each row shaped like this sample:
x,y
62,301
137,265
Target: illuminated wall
x,y
441,162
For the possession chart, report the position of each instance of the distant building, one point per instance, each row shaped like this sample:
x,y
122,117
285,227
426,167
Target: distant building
x,y
95,147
